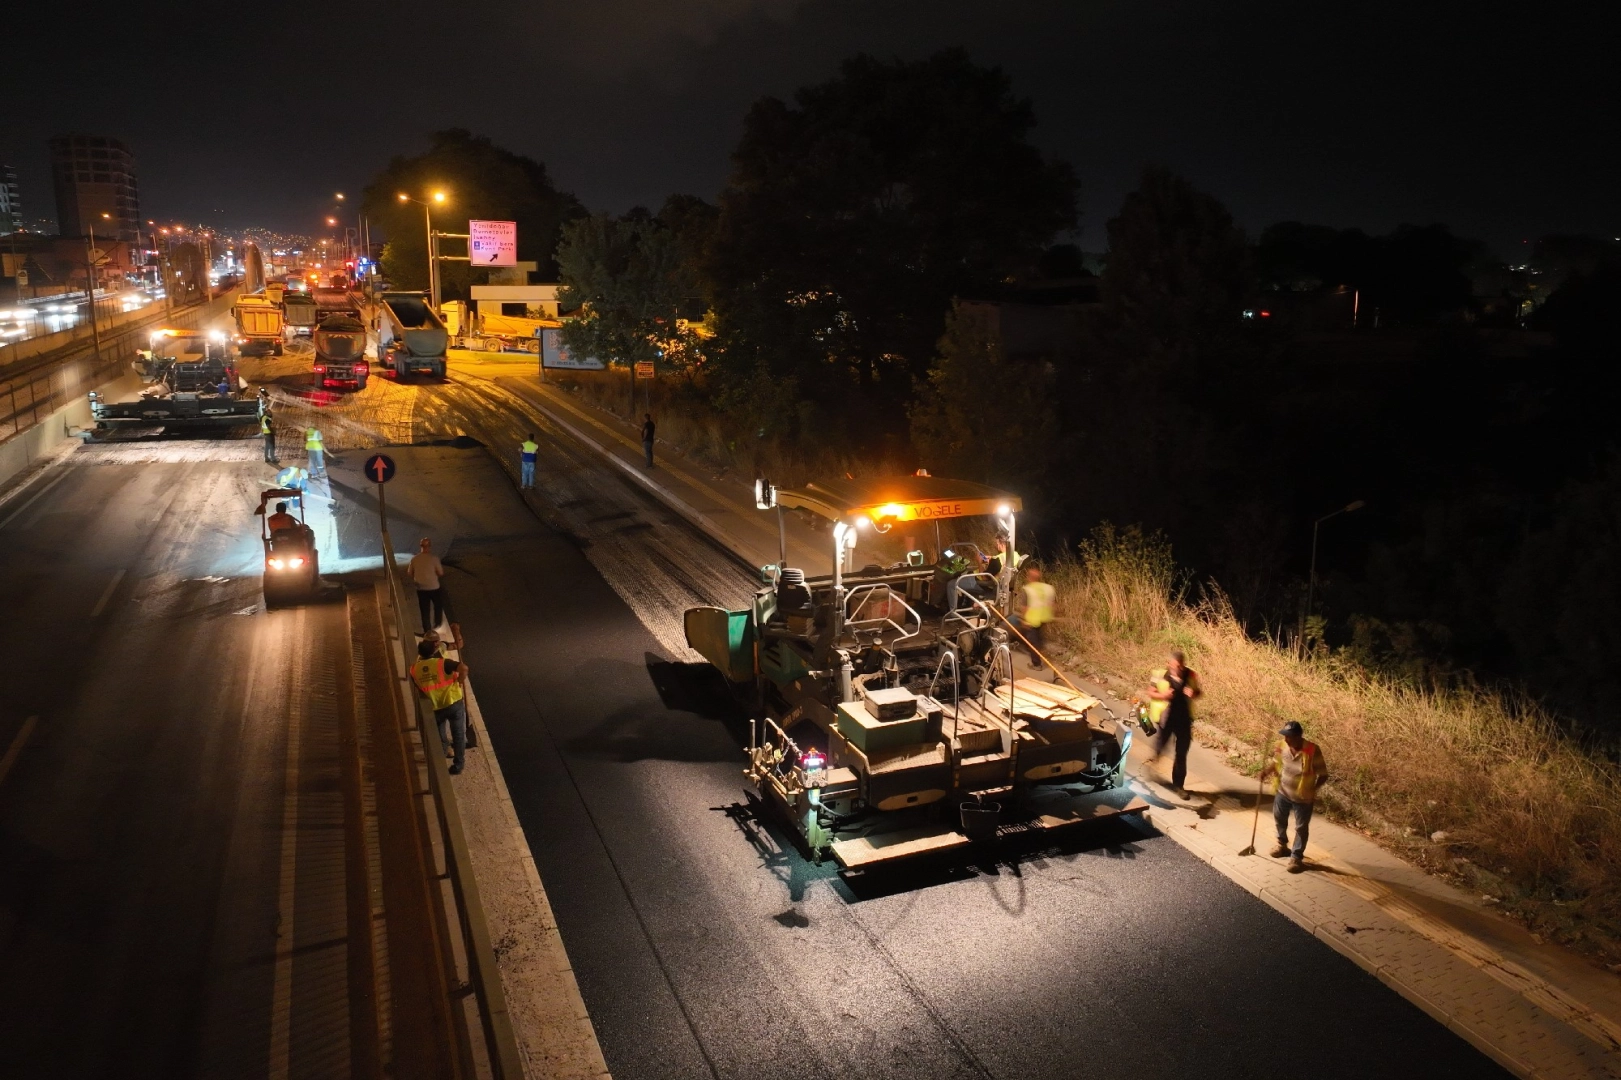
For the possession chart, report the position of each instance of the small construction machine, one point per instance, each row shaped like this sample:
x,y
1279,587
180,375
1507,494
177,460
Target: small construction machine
x,y
292,564
889,722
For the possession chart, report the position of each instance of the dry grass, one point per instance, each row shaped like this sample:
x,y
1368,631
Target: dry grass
x,y
1529,816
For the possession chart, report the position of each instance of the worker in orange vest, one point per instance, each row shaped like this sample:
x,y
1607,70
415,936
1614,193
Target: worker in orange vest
x,y
442,682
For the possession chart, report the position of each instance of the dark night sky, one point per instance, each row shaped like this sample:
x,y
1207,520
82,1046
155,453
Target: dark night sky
x,y
1500,120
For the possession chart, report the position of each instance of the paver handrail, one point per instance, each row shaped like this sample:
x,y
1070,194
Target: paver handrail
x,y
499,1038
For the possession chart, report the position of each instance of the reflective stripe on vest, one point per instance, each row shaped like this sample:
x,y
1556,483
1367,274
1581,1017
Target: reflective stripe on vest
x,y
264,425
1306,790
432,679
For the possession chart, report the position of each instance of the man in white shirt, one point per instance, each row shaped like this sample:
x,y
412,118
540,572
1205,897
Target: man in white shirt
x,y
426,570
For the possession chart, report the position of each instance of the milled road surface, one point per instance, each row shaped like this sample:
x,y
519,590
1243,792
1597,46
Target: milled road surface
x,y
705,946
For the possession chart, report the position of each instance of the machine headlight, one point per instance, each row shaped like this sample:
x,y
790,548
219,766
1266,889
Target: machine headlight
x,y
295,562
275,564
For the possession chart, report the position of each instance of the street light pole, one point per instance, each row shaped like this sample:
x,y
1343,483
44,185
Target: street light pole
x,y
1311,576
433,246
90,284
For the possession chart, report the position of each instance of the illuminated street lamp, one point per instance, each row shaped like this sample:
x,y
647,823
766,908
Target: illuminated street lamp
x,y
433,255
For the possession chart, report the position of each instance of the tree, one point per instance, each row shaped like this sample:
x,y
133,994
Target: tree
x,y
481,181
982,414
855,214
634,280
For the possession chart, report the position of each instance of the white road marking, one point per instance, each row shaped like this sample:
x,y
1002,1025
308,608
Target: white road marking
x,y
16,746
101,605
281,1000
41,493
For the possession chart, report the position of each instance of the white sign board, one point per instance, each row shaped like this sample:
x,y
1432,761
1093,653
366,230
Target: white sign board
x,y
554,355
492,243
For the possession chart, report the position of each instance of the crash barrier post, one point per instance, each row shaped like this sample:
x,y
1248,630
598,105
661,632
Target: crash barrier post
x,y
499,1038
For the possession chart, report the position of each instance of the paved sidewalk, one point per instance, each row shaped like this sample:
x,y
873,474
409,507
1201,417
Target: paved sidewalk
x,y
1539,1010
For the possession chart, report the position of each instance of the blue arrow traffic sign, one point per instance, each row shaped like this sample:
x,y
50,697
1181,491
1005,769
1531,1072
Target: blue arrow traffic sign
x,y
380,468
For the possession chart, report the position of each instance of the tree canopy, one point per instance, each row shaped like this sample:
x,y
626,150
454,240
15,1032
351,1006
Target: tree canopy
x,y
857,212
480,181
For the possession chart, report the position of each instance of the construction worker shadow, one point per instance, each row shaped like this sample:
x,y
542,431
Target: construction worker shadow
x,y
678,724
355,518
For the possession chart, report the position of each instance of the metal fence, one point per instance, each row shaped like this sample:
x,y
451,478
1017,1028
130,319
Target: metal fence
x,y
500,1041
31,391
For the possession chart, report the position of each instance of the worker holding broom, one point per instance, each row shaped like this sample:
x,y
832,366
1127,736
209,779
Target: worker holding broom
x,y
1298,764
1176,689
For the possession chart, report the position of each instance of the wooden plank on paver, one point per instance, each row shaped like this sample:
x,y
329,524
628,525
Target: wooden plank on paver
x,y
864,851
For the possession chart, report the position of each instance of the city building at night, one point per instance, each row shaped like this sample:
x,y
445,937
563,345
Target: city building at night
x,y
95,175
11,207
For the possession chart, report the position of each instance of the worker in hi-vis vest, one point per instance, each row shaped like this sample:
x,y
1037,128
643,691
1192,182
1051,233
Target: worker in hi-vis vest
x,y
526,462
267,428
1039,599
316,450
441,681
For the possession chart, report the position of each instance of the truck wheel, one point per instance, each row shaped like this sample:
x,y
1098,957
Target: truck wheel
x,y
439,370
275,350
360,384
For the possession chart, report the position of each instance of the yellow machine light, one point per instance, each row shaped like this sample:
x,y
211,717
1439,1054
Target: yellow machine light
x,y
276,564
890,510
295,562
1002,510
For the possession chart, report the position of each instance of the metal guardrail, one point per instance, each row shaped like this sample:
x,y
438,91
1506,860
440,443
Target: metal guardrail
x,y
500,1040
34,390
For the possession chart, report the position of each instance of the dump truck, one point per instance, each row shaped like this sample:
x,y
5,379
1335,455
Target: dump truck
x,y
340,352
299,313
887,719
411,338
184,371
259,324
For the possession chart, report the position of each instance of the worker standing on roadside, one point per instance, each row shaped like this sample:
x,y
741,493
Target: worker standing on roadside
x,y
316,450
647,438
267,428
1178,688
526,462
1301,770
1039,599
426,570
442,681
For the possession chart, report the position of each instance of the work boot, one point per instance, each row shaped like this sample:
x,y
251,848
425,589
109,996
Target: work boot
x,y
1281,850
1296,865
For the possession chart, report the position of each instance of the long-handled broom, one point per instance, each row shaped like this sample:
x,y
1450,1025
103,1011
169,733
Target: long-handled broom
x,y
1260,789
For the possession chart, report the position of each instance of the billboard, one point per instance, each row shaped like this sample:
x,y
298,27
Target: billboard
x,y
492,243
554,355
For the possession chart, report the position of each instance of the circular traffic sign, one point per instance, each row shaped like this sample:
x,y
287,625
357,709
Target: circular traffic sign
x,y
379,468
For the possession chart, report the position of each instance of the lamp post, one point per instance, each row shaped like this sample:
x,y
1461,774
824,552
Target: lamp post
x,y
1311,576
433,254
90,281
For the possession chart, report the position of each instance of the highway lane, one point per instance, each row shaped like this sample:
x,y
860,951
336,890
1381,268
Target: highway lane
x,y
705,946
178,857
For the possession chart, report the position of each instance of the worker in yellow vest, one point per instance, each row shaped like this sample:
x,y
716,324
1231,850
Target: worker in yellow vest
x,y
316,450
526,462
267,428
1299,766
1038,600
442,682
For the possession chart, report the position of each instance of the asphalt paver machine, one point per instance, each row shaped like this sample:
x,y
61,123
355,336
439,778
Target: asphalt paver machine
x,y
292,563
890,722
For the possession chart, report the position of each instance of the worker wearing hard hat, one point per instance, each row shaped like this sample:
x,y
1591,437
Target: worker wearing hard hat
x,y
316,449
441,681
